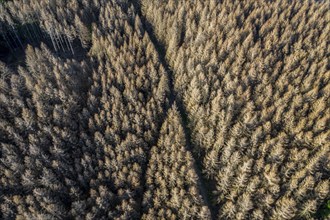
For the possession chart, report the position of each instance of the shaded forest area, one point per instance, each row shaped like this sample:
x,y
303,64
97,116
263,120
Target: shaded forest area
x,y
164,109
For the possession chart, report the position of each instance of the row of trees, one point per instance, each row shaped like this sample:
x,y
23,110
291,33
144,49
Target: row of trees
x,y
58,23
254,78
173,188
75,136
40,136
126,105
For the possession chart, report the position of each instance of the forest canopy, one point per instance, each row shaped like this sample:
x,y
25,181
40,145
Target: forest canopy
x,y
202,109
